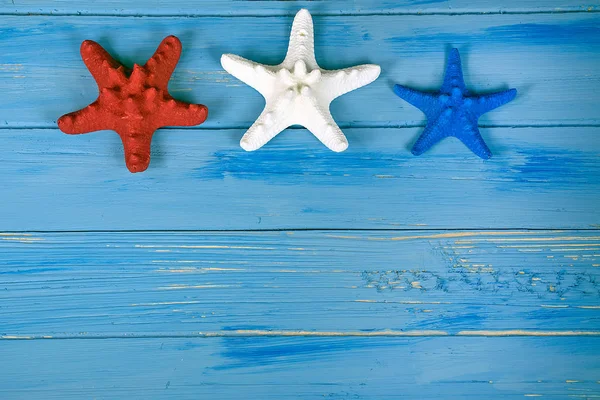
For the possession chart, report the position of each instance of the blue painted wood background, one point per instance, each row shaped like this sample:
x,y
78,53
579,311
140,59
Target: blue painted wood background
x,y
293,272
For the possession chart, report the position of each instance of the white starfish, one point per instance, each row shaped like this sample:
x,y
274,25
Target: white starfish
x,y
298,91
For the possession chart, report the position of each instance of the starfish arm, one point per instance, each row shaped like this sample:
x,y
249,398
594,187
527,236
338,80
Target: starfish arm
x,y
137,148
433,133
453,76
339,82
162,64
105,70
485,103
473,140
302,41
88,119
268,125
321,124
178,113
258,76
421,100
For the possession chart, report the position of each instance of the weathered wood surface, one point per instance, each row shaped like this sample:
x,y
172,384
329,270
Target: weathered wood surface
x,y
444,283
301,368
551,59
538,178
287,8
442,311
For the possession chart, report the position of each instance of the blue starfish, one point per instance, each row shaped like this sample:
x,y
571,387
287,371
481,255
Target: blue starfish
x,y
453,111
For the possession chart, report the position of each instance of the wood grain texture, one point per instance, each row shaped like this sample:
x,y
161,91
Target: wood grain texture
x,y
551,59
301,368
324,283
439,311
538,178
286,8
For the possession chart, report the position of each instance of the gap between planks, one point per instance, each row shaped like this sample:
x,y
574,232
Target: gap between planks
x,y
415,13
467,231
283,333
397,126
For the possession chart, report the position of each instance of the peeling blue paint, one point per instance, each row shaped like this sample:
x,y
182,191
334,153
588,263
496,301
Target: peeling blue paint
x,y
583,35
252,352
288,167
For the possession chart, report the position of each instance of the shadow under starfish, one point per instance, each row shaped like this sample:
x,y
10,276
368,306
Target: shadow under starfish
x,y
453,111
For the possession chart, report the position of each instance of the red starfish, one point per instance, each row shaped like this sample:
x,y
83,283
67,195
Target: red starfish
x,y
136,105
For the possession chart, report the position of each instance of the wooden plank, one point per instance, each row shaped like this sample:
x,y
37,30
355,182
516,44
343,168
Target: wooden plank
x,y
287,8
301,368
334,283
538,178
551,59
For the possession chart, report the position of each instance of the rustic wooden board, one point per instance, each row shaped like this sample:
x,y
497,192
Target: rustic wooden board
x,y
396,283
205,277
301,368
551,59
538,178
287,8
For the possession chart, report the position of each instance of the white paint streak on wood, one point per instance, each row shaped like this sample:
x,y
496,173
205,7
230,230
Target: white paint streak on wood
x,y
449,235
204,247
193,270
22,239
416,285
16,337
184,286
402,302
164,303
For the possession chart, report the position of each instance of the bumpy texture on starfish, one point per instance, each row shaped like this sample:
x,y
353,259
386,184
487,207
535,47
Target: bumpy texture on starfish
x,y
453,111
297,91
136,105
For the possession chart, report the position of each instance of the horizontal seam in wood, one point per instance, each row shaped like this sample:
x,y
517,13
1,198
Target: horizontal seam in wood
x,y
318,334
415,13
374,230
407,126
